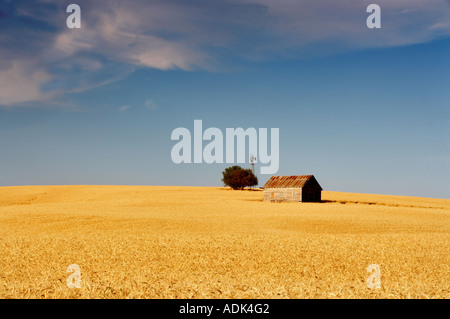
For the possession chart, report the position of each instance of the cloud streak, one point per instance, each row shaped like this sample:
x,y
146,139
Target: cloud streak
x,y
22,82
151,105
42,59
124,108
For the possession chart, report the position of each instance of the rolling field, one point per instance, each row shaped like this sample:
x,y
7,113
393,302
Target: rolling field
x,y
206,242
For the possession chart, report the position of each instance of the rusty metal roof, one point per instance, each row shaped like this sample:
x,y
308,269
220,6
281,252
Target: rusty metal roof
x,y
296,181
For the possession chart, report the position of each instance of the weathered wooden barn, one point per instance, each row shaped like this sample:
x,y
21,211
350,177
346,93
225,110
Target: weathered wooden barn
x,y
300,188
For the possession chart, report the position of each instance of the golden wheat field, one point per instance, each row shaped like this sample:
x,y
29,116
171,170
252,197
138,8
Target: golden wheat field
x,y
212,242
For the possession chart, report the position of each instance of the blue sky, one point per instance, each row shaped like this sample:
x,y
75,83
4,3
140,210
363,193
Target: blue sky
x,y
364,110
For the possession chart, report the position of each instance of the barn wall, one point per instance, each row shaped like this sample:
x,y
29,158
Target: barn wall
x,y
305,194
282,195
311,194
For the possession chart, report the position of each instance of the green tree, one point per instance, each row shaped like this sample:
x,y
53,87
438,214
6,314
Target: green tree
x,y
237,178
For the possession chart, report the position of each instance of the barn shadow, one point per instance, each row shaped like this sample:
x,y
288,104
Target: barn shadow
x,y
333,201
351,202
242,190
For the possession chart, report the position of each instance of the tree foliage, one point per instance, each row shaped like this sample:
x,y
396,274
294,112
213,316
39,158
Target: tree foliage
x,y
237,177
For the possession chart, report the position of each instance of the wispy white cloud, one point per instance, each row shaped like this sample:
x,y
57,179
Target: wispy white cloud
x,y
119,36
303,27
21,82
124,108
151,105
127,32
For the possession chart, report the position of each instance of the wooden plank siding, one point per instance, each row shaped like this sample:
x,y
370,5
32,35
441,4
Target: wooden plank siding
x,y
283,194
